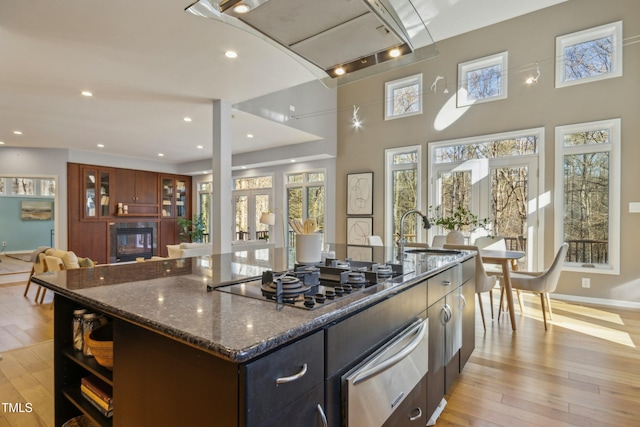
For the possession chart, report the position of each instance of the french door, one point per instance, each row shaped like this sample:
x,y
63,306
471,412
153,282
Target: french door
x,y
248,206
502,189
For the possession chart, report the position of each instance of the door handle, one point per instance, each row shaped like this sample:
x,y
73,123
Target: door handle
x,y
419,328
416,417
322,416
294,377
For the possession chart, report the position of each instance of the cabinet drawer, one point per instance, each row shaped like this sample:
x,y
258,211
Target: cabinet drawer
x,y
468,270
260,378
443,283
412,412
303,412
357,336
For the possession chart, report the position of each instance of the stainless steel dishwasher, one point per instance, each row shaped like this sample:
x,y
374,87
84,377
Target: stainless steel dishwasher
x,y
375,388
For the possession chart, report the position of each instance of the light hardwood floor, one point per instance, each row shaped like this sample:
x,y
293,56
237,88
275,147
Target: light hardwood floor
x,y
584,371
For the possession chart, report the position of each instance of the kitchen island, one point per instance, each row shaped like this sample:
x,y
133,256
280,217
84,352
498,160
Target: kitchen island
x,y
187,356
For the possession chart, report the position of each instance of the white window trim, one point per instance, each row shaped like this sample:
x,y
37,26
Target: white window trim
x,y
501,58
390,86
537,202
614,30
388,188
614,127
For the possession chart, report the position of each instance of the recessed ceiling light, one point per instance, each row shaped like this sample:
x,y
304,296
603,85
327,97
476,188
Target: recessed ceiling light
x,y
17,132
339,71
86,93
160,155
231,54
100,145
394,53
199,147
1,142
243,167
187,119
241,8
293,160
249,135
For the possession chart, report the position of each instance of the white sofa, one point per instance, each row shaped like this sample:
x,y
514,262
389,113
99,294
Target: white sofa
x,y
185,250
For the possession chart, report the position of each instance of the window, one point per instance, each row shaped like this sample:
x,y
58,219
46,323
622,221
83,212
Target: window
x,y
23,186
204,206
589,55
482,80
48,187
403,97
588,192
251,197
402,192
497,177
305,195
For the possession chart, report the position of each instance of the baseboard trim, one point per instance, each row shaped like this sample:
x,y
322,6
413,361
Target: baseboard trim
x,y
597,301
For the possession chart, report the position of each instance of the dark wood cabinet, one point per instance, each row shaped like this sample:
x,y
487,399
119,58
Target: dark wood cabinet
x,y
94,193
136,187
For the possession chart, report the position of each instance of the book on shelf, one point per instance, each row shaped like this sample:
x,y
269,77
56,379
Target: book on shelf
x,y
106,412
96,400
100,388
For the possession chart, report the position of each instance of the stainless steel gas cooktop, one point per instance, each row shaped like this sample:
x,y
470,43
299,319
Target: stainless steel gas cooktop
x,y
315,285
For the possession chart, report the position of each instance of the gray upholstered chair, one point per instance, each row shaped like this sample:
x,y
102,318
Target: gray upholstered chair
x,y
543,282
484,282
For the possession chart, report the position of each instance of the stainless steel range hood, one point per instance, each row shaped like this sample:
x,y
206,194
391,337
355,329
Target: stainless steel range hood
x,y
337,36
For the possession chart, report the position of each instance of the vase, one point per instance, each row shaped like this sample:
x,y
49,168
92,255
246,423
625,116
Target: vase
x,y
455,237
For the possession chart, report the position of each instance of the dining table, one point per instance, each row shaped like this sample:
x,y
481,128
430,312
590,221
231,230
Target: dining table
x,y
506,259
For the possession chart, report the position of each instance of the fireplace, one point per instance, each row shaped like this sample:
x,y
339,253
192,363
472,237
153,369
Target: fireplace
x,y
132,243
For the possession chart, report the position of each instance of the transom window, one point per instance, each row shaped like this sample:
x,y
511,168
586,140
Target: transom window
x,y
403,97
588,194
589,55
482,80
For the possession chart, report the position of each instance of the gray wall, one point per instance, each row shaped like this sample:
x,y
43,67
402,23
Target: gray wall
x,y
528,39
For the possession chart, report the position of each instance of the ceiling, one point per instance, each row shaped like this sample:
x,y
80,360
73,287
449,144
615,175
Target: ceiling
x,y
149,65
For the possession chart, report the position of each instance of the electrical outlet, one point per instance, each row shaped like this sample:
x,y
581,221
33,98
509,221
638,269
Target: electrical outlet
x,y
586,282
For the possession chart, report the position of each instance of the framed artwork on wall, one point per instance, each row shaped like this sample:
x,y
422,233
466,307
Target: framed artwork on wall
x,y
358,229
31,210
360,253
360,193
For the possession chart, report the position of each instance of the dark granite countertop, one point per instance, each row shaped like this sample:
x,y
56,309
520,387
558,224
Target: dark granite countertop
x,y
170,296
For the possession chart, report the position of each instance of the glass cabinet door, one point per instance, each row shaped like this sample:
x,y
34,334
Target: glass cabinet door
x,y
105,192
167,196
181,198
90,194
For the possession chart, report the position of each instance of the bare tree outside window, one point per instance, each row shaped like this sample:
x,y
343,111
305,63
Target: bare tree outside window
x,y
589,55
403,97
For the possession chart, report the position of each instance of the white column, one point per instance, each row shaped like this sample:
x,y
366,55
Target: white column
x,y
222,180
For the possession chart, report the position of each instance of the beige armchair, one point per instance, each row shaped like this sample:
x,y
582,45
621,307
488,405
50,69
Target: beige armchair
x,y
50,259
543,282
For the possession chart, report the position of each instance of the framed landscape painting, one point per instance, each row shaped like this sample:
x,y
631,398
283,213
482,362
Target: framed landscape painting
x,y
31,210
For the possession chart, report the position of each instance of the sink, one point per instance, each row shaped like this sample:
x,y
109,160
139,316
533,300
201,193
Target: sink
x,y
433,251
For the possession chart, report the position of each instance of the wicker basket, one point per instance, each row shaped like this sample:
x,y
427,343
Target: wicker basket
x,y
100,341
79,421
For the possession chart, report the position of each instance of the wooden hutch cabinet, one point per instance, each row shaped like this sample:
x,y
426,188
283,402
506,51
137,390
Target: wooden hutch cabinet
x,y
154,199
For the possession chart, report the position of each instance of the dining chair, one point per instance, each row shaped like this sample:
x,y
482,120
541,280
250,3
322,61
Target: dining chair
x,y
543,282
374,240
484,282
438,241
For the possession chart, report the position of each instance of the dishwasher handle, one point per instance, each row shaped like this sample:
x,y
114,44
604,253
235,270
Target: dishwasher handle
x,y
419,328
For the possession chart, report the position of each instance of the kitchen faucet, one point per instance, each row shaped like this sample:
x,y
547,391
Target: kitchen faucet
x,y
402,240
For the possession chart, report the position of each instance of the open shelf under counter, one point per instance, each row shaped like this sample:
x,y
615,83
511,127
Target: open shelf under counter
x,y
73,394
90,364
